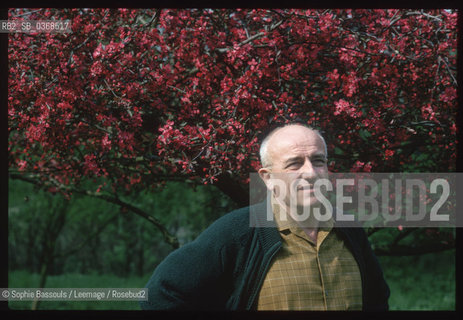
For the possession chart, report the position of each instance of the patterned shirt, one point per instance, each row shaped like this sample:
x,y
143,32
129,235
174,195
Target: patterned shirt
x,y
311,276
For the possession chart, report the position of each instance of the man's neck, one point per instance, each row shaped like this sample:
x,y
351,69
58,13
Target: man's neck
x,y
310,225
312,233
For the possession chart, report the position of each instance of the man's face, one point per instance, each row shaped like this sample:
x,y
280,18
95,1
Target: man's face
x,y
298,157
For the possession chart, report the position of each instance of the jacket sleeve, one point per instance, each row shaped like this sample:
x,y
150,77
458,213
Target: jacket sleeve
x,y
191,277
377,291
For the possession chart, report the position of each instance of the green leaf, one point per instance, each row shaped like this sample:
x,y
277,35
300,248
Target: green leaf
x,y
364,134
338,151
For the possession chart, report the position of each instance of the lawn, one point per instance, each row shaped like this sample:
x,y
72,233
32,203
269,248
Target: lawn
x,y
425,282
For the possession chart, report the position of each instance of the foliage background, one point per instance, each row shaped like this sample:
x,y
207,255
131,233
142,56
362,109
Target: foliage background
x,y
130,135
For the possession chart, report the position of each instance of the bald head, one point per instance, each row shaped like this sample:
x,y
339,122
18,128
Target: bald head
x,y
277,140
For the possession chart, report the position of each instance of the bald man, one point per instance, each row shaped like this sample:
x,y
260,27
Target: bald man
x,y
293,265
292,153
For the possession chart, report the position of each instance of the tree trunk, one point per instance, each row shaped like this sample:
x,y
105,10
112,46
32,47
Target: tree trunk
x,y
233,189
43,278
54,226
141,251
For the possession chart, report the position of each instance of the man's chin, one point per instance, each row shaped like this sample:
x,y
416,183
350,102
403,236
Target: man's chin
x,y
303,203
303,215
304,206
308,203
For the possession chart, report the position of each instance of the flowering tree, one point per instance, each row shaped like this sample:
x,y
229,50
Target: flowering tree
x,y
135,98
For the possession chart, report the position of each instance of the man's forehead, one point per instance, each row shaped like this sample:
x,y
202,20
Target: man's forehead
x,y
296,138
296,141
300,150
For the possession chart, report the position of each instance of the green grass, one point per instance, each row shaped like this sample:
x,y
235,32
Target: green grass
x,y
425,282
22,279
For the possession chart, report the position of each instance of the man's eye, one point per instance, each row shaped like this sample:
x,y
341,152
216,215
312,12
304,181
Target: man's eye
x,y
294,164
319,162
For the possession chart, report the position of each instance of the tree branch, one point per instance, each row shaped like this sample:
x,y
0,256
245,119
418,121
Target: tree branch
x,y
403,235
232,189
169,238
371,231
424,14
254,37
85,241
402,250
154,20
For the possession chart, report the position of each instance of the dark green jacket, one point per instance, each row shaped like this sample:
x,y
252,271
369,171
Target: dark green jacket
x,y
223,269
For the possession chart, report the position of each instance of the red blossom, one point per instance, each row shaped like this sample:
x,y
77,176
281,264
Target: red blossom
x,y
188,93
342,106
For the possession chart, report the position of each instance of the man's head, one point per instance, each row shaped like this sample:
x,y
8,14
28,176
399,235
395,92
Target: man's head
x,y
263,152
294,153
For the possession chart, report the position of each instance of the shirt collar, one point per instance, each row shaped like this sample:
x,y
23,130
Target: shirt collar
x,y
285,222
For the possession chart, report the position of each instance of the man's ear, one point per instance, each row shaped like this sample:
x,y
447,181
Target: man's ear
x,y
264,174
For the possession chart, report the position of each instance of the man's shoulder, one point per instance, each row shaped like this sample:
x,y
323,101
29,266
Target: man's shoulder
x,y
353,230
355,236
238,219
236,223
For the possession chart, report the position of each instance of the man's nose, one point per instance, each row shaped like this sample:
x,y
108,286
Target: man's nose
x,y
307,170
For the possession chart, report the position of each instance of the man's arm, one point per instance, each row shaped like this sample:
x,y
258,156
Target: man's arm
x,y
377,291
195,276
184,279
